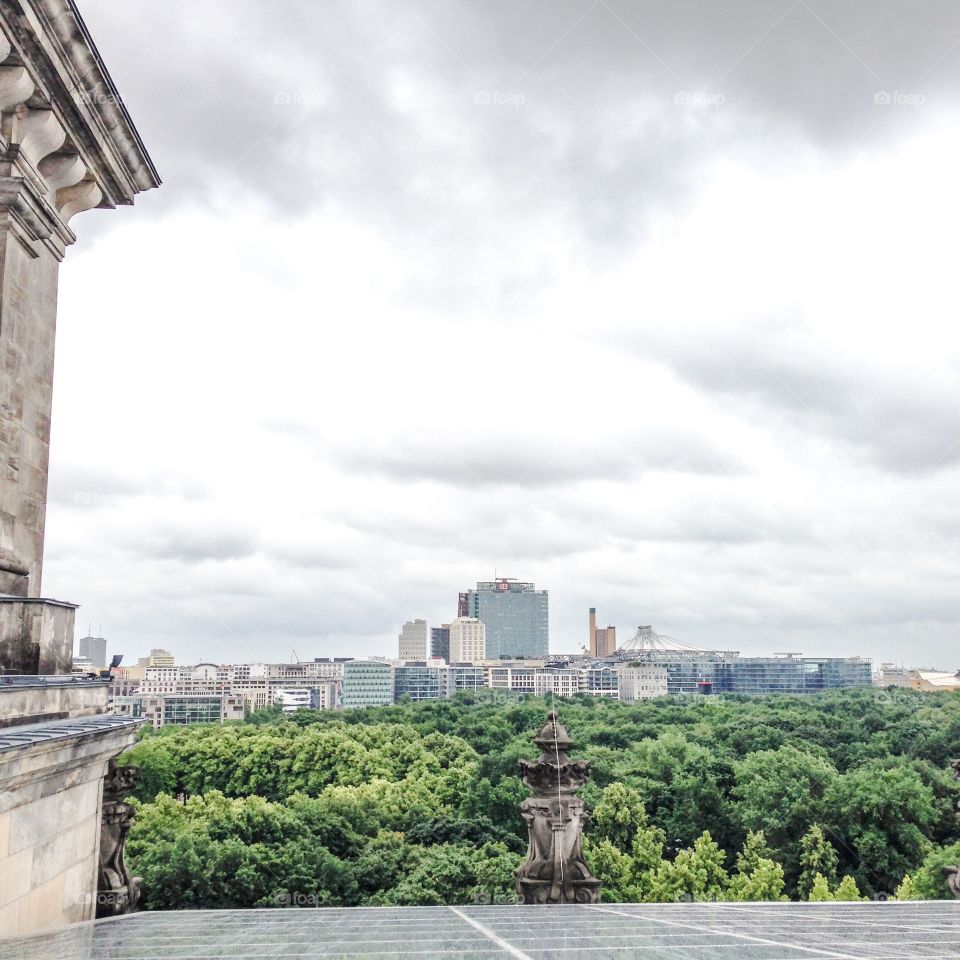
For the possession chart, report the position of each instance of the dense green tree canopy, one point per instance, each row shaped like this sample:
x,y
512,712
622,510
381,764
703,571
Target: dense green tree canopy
x,y
832,796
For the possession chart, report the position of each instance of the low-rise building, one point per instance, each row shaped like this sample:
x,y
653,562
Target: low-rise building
x,y
934,681
420,680
193,708
642,681
366,683
465,676
537,681
292,700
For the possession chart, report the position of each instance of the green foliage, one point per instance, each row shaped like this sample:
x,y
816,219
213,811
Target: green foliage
x,y
619,816
885,813
930,880
781,792
817,858
820,889
847,890
697,873
419,802
758,876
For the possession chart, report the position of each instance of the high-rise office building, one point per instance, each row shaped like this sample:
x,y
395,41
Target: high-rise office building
x,y
468,642
440,641
95,650
413,640
515,615
602,640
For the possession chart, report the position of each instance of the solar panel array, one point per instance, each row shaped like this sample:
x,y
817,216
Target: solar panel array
x,y
691,931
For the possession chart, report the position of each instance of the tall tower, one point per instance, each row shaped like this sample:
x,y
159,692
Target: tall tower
x,y
603,640
516,616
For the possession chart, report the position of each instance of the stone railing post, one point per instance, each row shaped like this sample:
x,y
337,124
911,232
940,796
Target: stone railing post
x,y
555,870
117,891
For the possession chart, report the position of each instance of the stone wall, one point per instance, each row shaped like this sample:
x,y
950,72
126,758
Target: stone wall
x,y
41,701
36,636
50,801
28,308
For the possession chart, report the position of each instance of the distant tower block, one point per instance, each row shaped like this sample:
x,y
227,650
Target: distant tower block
x,y
603,640
555,870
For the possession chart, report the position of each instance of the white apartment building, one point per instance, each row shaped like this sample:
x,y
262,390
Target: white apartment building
x,y
641,681
468,640
292,700
258,684
414,640
537,681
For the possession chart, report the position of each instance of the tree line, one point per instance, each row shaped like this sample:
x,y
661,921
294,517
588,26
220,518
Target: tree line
x,y
842,795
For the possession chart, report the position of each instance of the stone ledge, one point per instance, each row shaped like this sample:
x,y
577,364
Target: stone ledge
x,y
38,761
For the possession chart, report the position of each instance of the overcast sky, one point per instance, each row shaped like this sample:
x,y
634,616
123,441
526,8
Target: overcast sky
x,y
652,303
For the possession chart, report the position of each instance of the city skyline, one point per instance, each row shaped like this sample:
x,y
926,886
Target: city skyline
x,y
659,323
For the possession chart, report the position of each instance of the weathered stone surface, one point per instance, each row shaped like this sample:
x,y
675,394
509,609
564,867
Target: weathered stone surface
x,y
51,806
36,636
555,870
117,891
40,699
953,872
66,145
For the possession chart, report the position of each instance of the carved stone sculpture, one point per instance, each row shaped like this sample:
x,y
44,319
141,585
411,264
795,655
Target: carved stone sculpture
x,y
953,872
117,891
555,870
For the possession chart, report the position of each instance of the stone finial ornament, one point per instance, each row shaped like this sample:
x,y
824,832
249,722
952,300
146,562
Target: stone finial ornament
x,y
117,891
555,870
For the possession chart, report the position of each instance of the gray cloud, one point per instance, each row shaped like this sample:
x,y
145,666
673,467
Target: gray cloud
x,y
901,422
607,109
490,461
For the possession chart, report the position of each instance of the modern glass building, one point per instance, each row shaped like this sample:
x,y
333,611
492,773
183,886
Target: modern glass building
x,y
366,683
465,676
440,641
602,680
516,617
195,709
420,681
716,671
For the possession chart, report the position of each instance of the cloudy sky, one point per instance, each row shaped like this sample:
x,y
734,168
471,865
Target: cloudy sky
x,y
653,303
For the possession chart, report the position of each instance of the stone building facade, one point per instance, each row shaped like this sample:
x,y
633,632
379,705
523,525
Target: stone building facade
x,y
67,145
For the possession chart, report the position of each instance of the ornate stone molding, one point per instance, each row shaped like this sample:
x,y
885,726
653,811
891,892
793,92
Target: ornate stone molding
x,y
555,870
65,134
117,891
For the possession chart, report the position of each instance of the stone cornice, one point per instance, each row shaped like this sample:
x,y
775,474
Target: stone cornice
x,y
64,131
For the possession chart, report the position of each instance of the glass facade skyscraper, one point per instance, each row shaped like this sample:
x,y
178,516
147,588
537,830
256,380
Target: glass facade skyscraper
x,y
516,617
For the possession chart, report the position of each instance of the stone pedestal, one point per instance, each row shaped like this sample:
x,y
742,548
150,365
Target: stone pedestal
x,y
36,636
555,870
